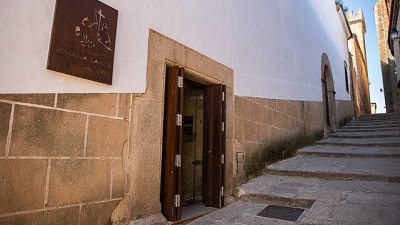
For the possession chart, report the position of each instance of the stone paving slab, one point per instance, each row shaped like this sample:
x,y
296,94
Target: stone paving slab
x,y
334,202
385,142
240,213
351,214
350,151
379,169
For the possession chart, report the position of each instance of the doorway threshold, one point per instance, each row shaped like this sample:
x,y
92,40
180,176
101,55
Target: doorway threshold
x,y
192,212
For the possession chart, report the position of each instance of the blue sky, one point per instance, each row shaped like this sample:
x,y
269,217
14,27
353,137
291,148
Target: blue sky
x,y
371,42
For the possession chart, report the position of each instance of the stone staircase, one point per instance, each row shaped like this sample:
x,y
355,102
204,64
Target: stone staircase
x,y
352,177
354,174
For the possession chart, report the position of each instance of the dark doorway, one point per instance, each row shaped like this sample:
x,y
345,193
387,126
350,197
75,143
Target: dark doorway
x,y
193,167
326,100
193,143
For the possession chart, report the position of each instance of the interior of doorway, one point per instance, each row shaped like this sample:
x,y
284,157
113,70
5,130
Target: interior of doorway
x,y
193,155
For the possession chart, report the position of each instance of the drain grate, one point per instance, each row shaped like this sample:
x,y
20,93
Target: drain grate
x,y
281,213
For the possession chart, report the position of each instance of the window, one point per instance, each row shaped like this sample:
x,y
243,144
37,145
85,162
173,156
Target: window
x,y
346,77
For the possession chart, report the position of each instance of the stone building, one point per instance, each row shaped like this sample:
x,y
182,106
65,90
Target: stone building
x,y
359,75
394,27
382,12
260,79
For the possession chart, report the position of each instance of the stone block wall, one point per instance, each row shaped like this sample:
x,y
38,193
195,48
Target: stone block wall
x,y
267,130
61,157
344,112
389,77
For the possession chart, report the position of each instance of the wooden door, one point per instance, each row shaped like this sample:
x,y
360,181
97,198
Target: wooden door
x,y
215,147
171,188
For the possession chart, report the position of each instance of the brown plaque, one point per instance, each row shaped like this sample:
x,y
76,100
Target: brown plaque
x,y
83,39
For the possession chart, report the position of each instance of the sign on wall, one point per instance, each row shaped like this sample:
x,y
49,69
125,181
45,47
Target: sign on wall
x,y
83,39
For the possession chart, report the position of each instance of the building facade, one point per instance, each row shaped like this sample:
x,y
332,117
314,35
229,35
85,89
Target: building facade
x,y
204,95
393,42
359,75
389,77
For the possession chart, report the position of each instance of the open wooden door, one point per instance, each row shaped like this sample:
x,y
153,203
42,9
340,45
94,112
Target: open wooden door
x,y
171,188
215,147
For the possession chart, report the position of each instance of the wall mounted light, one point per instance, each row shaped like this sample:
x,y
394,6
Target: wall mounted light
x,y
394,34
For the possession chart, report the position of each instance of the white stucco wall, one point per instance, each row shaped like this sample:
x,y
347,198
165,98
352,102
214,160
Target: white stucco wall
x,y
273,46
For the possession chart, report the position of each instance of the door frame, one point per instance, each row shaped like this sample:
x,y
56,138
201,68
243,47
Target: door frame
x,y
143,156
328,93
214,148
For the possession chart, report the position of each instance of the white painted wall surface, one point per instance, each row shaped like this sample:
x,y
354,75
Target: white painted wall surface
x,y
273,46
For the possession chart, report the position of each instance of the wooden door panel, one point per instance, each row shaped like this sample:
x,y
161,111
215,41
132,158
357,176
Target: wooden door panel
x,y
172,144
215,150
168,179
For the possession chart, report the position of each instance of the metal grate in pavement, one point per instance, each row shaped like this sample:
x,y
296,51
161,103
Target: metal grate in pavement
x,y
281,213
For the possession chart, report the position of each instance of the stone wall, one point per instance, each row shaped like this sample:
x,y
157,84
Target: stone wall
x,y
358,65
389,77
264,127
61,157
268,130
359,79
344,112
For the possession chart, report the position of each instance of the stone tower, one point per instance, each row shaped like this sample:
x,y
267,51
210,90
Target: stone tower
x,y
357,26
358,64
389,78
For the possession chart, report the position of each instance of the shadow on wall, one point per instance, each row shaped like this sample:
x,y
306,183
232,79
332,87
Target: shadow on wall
x,y
391,91
274,151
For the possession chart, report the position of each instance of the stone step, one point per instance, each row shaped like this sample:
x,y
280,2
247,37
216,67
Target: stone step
x,y
395,120
366,122
366,134
380,116
370,169
369,126
377,125
350,151
369,129
384,142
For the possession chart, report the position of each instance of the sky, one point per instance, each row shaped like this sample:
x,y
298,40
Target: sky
x,y
371,42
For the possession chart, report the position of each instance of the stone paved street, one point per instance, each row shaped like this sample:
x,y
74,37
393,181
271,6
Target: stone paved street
x,y
352,177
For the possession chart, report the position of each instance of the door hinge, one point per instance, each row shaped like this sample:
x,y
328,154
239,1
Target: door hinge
x,y
222,191
223,96
180,82
178,160
177,200
223,126
223,159
179,119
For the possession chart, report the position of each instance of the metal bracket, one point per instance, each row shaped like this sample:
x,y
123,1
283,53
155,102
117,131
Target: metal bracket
x,y
223,159
179,119
223,126
223,96
177,200
178,160
180,82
